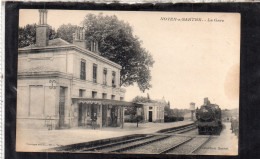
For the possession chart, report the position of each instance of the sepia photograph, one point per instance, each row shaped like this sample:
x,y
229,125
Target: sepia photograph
x,y
128,82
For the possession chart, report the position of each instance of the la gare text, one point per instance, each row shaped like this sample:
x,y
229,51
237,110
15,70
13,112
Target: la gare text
x,y
191,19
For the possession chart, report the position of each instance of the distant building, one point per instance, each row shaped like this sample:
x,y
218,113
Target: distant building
x,y
152,111
66,85
192,109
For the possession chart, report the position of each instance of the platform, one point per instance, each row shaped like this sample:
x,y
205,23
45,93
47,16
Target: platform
x,y
39,140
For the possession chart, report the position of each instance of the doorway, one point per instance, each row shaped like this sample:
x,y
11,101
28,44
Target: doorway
x,y
114,113
104,115
80,115
150,116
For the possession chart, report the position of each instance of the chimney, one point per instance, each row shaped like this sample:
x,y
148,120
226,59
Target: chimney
x,y
42,29
206,101
79,38
94,46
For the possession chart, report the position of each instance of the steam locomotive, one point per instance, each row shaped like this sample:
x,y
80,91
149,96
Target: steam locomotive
x,y
209,118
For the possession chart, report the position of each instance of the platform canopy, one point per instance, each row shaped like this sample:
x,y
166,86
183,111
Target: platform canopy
x,y
104,102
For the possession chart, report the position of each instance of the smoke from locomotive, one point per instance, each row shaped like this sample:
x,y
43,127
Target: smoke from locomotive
x,y
209,118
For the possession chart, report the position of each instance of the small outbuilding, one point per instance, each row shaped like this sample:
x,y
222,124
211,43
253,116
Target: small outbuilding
x,y
152,111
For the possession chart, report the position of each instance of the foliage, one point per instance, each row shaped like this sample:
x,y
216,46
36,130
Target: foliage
x,y
130,110
27,35
167,111
117,43
65,32
141,99
134,118
173,118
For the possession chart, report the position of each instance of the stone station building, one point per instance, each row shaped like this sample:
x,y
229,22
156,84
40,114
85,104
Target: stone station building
x,y
63,85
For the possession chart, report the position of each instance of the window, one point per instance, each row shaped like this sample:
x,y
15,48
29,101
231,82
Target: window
x,y
81,93
83,70
104,95
114,79
113,97
95,73
121,98
150,108
105,76
94,94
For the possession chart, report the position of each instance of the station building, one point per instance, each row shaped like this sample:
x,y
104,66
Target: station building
x,y
64,85
152,111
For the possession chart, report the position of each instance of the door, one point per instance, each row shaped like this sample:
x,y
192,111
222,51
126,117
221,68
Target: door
x,y
150,116
62,106
104,115
114,116
93,112
80,115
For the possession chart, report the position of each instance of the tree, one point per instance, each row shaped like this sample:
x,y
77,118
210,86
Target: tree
x,y
65,32
27,35
140,99
118,44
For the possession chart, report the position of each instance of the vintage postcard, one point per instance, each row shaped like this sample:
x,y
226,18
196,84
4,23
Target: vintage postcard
x,y
130,82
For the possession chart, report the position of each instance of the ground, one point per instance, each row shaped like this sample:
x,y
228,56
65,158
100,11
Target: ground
x,y
225,144
39,140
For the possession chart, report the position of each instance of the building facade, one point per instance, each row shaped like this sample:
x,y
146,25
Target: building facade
x,y
62,85
152,111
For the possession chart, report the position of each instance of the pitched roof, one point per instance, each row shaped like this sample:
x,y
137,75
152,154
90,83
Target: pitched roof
x,y
53,42
59,43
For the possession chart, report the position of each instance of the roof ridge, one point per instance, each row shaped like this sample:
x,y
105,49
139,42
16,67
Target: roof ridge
x,y
63,40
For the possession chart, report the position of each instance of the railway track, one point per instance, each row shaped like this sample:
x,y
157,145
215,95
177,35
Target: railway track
x,y
182,129
168,141
189,147
130,144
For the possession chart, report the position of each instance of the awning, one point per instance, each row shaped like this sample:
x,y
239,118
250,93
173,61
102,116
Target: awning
x,y
104,102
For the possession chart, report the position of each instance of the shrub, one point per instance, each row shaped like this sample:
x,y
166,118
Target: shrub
x,y
172,118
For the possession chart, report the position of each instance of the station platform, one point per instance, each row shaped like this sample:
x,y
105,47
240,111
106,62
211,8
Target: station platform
x,y
225,144
31,140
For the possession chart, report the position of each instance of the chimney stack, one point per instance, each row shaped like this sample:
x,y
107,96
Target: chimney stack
x,y
206,101
94,46
79,38
42,29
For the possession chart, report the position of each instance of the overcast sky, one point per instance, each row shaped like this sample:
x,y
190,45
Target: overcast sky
x,y
193,59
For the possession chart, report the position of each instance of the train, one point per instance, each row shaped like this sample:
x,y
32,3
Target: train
x,y
209,118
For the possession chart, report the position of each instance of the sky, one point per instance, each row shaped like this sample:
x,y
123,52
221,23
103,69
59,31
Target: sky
x,y
193,59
